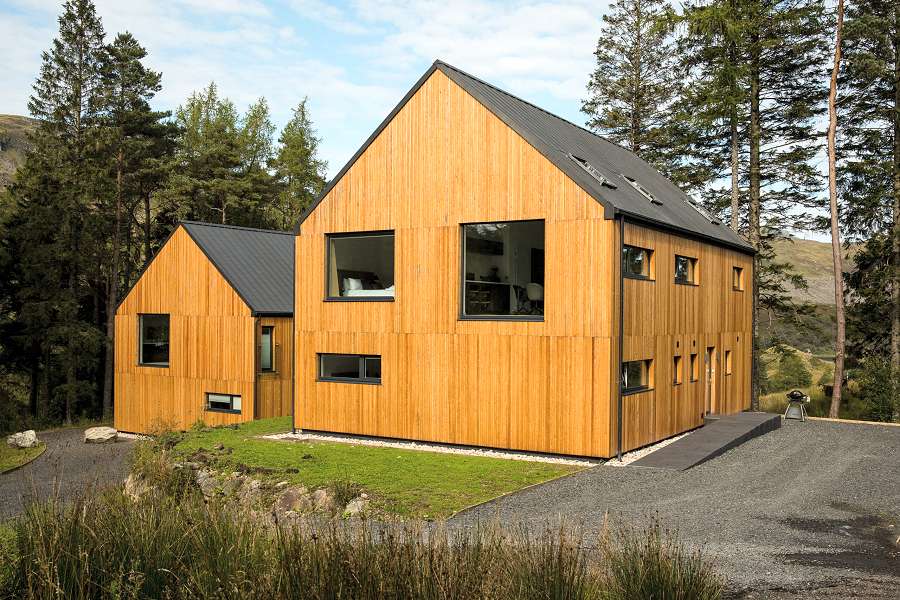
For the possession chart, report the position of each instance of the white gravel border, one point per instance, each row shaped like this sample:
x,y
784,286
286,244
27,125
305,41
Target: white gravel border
x,y
133,436
630,457
433,447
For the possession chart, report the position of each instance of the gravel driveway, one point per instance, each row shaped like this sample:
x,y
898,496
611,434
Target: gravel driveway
x,y
66,467
810,509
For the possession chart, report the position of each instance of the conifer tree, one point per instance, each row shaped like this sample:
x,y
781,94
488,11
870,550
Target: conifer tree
x,y
299,170
633,85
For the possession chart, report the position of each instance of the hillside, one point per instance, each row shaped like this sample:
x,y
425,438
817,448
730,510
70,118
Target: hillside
x,y
14,131
812,260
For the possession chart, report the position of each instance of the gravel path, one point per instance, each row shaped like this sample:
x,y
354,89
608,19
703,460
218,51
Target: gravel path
x,y
66,467
812,508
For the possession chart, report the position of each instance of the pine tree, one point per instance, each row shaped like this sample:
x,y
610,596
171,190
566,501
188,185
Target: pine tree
x,y
633,85
298,169
256,140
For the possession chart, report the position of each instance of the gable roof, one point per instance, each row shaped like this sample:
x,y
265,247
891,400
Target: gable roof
x,y
559,141
258,263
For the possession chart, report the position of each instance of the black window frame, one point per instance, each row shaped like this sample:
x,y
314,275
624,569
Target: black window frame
x,y
262,333
231,397
352,234
629,275
361,379
140,340
641,388
462,316
693,270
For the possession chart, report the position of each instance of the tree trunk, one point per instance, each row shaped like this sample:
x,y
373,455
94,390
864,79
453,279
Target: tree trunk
x,y
834,410
755,195
112,297
147,252
895,213
735,176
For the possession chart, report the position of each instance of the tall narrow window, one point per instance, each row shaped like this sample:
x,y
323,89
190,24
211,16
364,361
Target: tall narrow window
x,y
685,270
677,371
503,270
350,368
153,344
360,266
635,375
636,262
737,279
267,349
728,366
695,367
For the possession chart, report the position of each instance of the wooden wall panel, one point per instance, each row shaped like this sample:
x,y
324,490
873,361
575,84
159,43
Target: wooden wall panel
x,y
211,343
274,389
663,319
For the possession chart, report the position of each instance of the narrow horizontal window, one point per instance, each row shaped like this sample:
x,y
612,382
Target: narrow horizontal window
x,y
223,402
636,262
267,349
636,375
153,344
360,266
685,270
695,368
677,371
503,270
350,368
737,279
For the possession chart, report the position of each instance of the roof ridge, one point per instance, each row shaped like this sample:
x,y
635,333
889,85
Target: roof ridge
x,y
239,227
531,104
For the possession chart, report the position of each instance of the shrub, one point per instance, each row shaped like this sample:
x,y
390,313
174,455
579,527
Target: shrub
x,y
791,372
879,389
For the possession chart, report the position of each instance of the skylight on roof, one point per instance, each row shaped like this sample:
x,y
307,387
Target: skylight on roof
x,y
706,215
584,164
643,191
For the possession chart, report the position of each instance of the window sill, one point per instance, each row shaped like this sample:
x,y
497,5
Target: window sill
x,y
676,383
522,318
638,277
694,380
360,299
154,366
687,283
634,391
356,381
267,372
224,410
734,289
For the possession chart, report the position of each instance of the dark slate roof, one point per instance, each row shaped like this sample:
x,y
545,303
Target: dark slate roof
x,y
557,139
258,263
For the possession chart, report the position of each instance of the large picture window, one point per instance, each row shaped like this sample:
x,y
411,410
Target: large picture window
x,y
636,262
153,342
360,266
503,270
350,368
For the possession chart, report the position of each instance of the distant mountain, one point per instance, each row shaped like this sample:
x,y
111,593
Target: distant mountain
x,y
14,131
812,260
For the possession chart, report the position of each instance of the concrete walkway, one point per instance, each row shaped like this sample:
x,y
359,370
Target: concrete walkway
x,y
719,435
66,468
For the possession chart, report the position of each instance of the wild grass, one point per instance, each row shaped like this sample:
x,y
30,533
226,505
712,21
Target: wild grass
x,y
107,546
13,458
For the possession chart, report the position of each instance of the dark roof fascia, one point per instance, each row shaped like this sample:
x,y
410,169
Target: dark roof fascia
x,y
661,225
216,265
266,313
366,144
224,226
145,267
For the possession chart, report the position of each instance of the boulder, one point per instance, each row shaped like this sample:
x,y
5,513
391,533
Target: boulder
x,y
23,439
207,483
294,499
100,435
322,501
356,507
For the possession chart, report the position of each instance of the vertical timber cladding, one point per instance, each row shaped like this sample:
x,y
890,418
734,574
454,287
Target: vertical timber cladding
x,y
542,386
211,346
274,387
663,319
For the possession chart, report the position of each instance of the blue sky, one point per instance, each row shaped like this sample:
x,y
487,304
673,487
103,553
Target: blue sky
x,y
354,60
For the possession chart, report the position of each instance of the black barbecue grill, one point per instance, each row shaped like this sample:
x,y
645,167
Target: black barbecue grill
x,y
796,408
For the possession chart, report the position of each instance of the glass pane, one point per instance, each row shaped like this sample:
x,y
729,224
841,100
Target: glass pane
x,y
503,269
341,366
361,266
265,352
373,367
223,402
684,269
636,261
154,348
634,374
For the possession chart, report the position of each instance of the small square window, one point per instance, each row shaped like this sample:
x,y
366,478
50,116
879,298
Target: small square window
x,y
677,371
737,279
636,375
153,344
636,262
350,368
685,270
695,368
360,266
229,403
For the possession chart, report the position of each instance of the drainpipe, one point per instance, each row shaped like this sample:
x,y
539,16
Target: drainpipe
x,y
621,337
256,340
293,375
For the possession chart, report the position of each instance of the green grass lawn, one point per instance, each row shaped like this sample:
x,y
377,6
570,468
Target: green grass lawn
x,y
10,458
408,483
